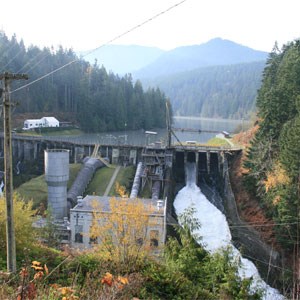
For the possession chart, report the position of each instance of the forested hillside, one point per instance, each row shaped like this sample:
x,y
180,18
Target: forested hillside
x,y
227,91
273,160
217,79
98,100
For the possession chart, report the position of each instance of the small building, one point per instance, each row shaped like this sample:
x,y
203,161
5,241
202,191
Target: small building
x,y
223,135
226,134
50,122
81,220
38,123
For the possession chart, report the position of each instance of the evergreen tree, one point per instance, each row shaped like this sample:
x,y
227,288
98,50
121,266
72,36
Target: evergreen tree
x,y
97,100
275,148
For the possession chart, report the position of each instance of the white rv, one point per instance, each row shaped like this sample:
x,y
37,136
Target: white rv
x,y
43,122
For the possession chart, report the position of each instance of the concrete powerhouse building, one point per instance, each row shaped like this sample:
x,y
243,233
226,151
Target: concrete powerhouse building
x,y
81,219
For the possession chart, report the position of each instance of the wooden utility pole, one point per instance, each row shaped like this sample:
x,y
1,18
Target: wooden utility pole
x,y
10,228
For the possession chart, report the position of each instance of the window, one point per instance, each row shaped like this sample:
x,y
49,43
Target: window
x,y
78,234
78,238
139,241
154,238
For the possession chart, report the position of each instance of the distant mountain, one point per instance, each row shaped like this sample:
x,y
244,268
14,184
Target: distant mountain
x,y
219,78
123,59
215,52
227,91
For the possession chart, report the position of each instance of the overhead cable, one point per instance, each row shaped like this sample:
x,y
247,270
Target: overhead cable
x,y
103,45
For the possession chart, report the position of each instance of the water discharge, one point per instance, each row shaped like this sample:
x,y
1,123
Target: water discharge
x,y
215,231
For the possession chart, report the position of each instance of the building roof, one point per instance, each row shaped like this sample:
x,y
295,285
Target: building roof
x,y
155,206
33,120
50,119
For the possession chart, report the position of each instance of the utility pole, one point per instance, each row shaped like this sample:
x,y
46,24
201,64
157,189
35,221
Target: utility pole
x,y
168,121
10,228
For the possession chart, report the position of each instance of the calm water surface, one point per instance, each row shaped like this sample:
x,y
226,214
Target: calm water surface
x,y
140,138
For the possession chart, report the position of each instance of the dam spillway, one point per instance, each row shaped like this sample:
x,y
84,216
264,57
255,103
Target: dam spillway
x,y
214,230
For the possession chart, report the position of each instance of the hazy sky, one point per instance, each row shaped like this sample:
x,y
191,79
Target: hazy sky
x,y
87,24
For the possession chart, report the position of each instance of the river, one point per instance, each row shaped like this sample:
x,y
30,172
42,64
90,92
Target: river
x,y
214,230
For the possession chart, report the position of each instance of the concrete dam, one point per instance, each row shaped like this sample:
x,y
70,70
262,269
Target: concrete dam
x,y
163,168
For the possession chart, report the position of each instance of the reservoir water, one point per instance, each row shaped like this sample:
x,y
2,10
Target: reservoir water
x,y
214,230
140,138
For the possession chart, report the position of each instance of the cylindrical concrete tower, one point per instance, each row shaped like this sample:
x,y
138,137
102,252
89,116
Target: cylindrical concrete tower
x,y
57,176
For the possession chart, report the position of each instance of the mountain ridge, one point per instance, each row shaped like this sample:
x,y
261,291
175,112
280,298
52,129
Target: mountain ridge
x,y
216,51
144,61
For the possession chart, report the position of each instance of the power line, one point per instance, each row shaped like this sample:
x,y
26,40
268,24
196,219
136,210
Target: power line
x,y
11,60
253,224
37,63
266,263
263,225
105,44
41,54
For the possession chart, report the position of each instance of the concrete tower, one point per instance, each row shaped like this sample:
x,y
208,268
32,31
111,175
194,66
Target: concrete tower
x,y
57,176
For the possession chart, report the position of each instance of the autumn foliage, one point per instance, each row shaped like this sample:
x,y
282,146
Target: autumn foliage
x,y
122,232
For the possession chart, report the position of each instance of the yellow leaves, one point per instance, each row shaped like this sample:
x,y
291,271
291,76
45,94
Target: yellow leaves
x,y
36,265
276,200
67,293
123,280
66,290
63,293
119,229
25,233
276,177
121,190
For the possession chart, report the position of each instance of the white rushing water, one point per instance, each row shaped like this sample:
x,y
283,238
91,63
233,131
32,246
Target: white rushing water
x,y
214,229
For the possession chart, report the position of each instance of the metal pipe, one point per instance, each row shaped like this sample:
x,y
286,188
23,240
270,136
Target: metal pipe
x,y
136,182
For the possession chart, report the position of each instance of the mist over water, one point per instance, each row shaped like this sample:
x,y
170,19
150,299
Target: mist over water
x,y
214,229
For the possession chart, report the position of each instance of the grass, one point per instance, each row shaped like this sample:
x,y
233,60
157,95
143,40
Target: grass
x,y
124,178
100,181
52,132
36,188
102,177
217,142
37,191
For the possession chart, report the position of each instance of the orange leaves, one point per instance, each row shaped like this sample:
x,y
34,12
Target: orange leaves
x,y
107,279
28,288
37,266
123,280
110,280
46,269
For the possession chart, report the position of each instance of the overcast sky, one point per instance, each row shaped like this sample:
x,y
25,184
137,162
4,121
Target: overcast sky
x,y
87,24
